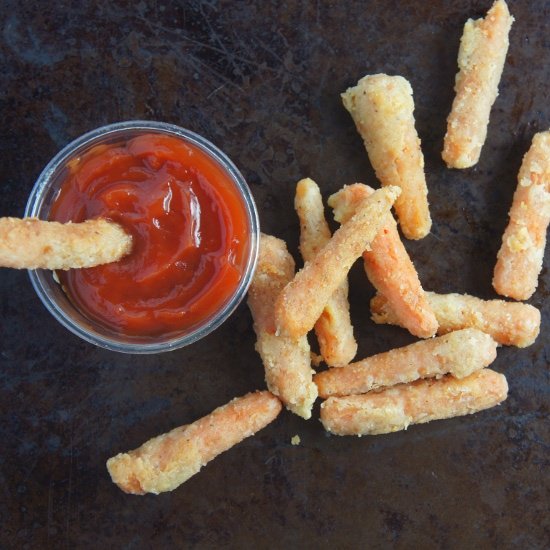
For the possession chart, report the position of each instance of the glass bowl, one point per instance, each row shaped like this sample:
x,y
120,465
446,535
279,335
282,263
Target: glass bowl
x,y
52,295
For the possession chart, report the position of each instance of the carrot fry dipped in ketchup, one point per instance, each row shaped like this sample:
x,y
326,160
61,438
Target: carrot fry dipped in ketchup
x,y
30,243
519,260
382,108
302,301
287,361
459,353
167,461
422,401
190,228
509,323
481,56
388,265
333,329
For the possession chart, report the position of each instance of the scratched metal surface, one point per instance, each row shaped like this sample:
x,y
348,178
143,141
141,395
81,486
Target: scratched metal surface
x,y
261,80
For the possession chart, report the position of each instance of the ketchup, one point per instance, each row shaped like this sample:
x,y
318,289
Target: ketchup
x,y
189,233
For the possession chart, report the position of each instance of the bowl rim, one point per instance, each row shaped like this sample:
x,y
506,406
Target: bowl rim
x,y
39,277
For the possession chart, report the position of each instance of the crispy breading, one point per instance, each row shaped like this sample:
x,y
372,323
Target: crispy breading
x,y
395,408
333,329
30,243
302,301
388,265
481,57
459,353
509,323
165,462
287,362
382,108
519,260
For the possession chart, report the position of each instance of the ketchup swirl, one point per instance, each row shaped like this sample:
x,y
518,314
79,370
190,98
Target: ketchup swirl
x,y
189,231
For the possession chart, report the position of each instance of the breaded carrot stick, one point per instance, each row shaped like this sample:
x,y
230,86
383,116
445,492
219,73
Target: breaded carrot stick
x,y
422,401
382,108
459,353
388,266
32,244
314,230
519,260
302,301
509,323
333,329
481,58
287,362
167,461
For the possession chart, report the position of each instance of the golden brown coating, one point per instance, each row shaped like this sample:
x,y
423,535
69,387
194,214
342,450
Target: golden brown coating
x,y
481,58
314,229
333,329
458,353
509,323
382,108
422,401
519,260
167,461
287,362
302,301
388,265
30,243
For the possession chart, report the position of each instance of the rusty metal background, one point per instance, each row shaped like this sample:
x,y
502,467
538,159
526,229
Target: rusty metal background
x,y
262,81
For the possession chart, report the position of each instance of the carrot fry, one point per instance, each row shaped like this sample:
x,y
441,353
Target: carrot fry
x,y
509,323
519,260
388,266
422,401
382,108
302,301
458,353
36,244
333,329
167,461
287,362
481,57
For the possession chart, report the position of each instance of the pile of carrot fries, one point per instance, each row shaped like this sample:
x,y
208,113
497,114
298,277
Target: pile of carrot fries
x,y
442,375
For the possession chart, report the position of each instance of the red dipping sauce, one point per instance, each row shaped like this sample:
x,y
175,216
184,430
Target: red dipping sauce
x,y
189,229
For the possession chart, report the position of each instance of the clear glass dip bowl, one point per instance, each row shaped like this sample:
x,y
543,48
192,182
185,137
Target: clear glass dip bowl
x,y
56,301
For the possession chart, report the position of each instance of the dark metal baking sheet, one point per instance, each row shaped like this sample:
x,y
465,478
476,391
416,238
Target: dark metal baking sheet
x,y
262,81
